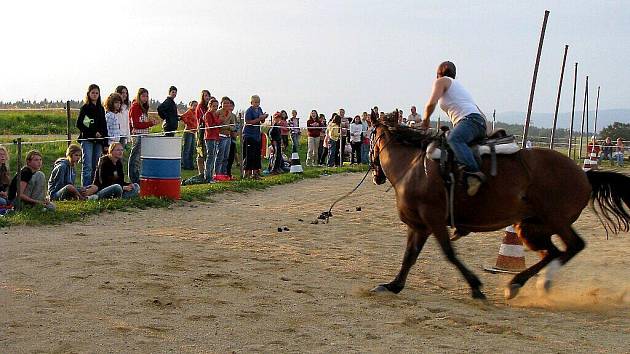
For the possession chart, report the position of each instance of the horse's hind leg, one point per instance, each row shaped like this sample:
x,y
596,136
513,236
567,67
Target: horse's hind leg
x,y
442,236
574,244
415,241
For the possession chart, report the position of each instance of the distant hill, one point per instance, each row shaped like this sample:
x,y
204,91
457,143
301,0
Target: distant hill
x,y
545,120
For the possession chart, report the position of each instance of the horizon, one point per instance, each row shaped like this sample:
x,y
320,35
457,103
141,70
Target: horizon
x,y
320,55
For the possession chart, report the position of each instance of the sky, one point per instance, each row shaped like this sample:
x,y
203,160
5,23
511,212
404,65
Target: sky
x,y
320,55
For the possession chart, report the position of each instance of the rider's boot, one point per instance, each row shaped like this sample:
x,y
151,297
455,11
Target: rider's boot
x,y
474,180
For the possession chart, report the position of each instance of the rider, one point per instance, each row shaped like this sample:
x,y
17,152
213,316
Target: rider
x,y
469,123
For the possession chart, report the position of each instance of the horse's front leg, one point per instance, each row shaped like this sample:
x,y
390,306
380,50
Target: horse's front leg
x,y
416,237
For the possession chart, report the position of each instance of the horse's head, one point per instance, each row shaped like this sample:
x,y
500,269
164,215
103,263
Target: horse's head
x,y
377,143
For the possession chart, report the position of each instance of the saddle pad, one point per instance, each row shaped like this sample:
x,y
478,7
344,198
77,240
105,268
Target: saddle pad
x,y
502,149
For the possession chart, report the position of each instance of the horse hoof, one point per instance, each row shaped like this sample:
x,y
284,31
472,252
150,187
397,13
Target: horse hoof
x,y
511,291
477,294
380,289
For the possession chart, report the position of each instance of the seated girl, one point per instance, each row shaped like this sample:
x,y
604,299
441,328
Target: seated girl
x,y
110,178
62,177
5,180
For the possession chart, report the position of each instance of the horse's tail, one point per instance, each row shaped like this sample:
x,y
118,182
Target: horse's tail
x,y
611,191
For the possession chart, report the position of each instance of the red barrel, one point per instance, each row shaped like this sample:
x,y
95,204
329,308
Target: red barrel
x,y
157,187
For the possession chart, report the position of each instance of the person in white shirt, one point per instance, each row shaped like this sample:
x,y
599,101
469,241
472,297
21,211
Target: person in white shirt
x,y
356,131
468,122
414,117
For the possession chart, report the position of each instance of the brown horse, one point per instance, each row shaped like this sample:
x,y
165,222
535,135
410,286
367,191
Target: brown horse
x,y
539,191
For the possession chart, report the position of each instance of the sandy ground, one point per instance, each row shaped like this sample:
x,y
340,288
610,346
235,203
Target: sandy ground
x,y
219,277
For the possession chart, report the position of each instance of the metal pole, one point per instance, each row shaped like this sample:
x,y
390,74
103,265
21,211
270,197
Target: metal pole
x,y
437,126
596,111
533,89
19,174
572,111
588,137
583,117
494,118
555,115
68,122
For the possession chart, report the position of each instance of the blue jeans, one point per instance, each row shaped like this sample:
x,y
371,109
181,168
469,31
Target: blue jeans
x,y
211,157
619,159
188,151
134,160
3,201
91,153
110,192
223,153
468,129
295,139
62,194
365,153
333,156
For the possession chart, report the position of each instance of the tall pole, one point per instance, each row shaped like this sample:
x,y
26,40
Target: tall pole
x,y
572,110
588,137
583,117
494,118
533,89
596,111
555,115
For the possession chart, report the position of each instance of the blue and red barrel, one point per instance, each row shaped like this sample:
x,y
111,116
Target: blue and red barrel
x,y
161,171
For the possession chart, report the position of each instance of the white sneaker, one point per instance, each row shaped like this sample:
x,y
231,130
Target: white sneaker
x,y
92,197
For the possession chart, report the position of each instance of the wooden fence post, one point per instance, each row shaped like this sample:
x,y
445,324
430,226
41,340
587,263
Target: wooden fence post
x,y
572,111
68,122
555,115
19,174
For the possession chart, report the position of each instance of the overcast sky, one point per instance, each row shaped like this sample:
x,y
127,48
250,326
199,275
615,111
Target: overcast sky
x,y
315,54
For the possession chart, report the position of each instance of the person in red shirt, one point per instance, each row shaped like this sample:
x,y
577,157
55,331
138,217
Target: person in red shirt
x,y
190,120
284,130
200,111
211,137
140,123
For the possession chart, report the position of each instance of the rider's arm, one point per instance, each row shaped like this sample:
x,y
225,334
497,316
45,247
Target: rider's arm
x,y
439,87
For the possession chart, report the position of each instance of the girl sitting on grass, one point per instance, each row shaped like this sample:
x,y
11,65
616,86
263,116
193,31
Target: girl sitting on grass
x,y
110,178
5,178
62,177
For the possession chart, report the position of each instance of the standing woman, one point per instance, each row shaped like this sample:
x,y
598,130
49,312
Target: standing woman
x,y
333,132
124,110
140,124
619,152
114,118
312,126
200,111
356,133
93,129
254,117
323,148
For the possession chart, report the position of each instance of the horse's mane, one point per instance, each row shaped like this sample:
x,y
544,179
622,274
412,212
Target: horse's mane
x,y
415,137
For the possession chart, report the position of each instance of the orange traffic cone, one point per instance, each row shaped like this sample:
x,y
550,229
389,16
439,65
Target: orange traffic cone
x,y
511,258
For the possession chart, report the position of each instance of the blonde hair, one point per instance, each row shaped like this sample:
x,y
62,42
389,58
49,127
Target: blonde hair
x,y
112,146
255,98
73,148
30,154
6,151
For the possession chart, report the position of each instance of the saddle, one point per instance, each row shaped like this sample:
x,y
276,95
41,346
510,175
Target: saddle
x,y
497,143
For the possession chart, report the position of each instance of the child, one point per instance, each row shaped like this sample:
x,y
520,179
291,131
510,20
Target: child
x,y
5,180
275,135
211,137
124,110
61,182
333,133
32,183
190,120
93,129
110,178
114,117
140,124
356,129
294,126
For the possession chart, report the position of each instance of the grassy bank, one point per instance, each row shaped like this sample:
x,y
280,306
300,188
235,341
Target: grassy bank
x,y
71,211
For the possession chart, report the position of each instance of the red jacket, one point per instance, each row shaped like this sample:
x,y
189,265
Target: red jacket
x,y
211,119
199,112
190,119
136,119
313,133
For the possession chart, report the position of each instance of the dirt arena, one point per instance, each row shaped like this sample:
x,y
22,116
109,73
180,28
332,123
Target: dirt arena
x,y
219,277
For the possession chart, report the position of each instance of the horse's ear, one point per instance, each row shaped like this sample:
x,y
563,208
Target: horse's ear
x,y
374,116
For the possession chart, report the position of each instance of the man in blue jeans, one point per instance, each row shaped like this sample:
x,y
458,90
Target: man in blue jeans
x,y
468,121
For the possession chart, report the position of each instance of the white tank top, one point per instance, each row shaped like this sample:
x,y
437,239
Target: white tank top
x,y
457,102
